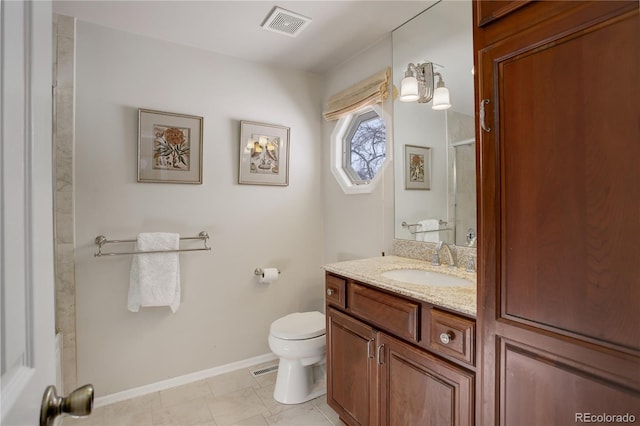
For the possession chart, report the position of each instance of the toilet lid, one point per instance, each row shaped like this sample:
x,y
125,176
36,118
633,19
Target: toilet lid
x,y
298,326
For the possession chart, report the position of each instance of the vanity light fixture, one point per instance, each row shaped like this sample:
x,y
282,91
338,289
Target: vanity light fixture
x,y
441,95
418,85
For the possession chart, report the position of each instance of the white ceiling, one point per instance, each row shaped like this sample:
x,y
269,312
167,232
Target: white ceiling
x,y
339,29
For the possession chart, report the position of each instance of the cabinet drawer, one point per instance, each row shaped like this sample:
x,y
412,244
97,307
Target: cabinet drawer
x,y
392,313
452,335
335,290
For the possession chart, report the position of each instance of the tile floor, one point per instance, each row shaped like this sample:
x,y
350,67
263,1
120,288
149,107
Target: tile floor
x,y
235,398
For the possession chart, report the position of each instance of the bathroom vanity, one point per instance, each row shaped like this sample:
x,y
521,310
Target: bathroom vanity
x,y
400,352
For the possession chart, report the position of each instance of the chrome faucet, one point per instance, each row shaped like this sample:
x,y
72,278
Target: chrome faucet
x,y
436,256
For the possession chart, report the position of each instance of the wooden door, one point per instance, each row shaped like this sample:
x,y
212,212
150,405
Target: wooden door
x,y
559,214
352,376
417,388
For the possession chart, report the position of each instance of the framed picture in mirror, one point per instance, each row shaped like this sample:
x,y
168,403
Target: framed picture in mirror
x,y
417,167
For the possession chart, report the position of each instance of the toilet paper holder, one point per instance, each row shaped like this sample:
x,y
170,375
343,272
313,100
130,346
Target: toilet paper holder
x,y
260,272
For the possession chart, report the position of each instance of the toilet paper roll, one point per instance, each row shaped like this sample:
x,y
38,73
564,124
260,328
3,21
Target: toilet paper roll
x,y
269,275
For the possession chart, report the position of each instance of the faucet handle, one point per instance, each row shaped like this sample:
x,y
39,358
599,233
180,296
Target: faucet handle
x,y
471,266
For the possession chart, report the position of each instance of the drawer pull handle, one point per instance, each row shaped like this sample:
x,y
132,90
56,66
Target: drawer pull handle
x,y
482,115
446,338
380,359
329,292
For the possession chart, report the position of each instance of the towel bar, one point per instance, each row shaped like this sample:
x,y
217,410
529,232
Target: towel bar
x,y
102,240
408,226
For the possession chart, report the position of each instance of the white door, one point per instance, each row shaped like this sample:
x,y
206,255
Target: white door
x,y
26,225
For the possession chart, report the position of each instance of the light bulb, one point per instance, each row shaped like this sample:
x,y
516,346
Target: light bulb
x,y
441,98
409,89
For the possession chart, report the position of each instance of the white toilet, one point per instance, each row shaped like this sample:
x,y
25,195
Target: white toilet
x,y
299,340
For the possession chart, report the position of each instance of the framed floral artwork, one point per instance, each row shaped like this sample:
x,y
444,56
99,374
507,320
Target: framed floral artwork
x,y
169,147
417,167
264,154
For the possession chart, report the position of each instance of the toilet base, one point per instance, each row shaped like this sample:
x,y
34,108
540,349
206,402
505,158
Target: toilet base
x,y
297,383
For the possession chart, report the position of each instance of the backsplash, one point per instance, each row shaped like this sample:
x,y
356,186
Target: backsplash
x,y
424,251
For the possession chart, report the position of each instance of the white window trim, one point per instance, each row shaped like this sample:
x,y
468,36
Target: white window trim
x,y
337,163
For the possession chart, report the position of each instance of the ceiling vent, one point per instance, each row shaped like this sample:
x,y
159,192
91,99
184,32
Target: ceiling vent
x,y
285,22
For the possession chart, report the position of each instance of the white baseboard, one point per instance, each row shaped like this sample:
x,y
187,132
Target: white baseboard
x,y
181,380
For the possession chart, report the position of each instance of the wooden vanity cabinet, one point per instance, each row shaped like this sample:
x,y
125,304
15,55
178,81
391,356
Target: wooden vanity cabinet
x,y
384,366
558,197
352,371
418,388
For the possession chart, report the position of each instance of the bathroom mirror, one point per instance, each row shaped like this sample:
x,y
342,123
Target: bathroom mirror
x,y
442,35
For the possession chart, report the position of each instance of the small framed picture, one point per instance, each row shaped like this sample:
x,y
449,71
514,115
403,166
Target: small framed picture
x,y
417,167
169,147
264,154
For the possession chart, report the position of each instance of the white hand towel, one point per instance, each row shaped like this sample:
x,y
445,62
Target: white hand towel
x,y
429,225
154,279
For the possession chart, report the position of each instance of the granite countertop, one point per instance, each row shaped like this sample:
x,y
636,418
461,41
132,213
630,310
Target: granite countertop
x,y
461,299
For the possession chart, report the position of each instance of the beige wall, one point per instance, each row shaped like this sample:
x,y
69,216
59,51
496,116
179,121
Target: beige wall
x,y
359,225
225,314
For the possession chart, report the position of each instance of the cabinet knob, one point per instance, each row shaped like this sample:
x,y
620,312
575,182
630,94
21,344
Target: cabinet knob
x,y
329,292
447,337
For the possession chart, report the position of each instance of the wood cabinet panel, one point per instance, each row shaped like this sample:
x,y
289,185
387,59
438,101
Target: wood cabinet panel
x,y
419,389
352,376
452,335
566,174
335,290
489,11
533,375
393,313
558,212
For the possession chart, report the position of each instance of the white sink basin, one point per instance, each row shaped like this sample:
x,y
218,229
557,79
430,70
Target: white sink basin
x,y
420,277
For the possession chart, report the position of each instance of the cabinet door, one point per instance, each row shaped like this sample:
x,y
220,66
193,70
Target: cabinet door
x,y
417,388
559,195
352,376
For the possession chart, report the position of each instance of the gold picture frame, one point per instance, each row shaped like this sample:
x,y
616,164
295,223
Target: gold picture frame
x,y
169,147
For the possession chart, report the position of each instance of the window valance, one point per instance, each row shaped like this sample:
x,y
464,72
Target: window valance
x,y
370,91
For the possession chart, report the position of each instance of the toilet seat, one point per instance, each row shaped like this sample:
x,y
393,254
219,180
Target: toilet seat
x,y
299,326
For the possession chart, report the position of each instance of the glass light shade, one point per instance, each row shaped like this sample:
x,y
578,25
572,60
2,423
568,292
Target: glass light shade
x,y
409,89
441,99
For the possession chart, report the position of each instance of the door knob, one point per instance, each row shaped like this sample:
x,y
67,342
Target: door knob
x,y
79,403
